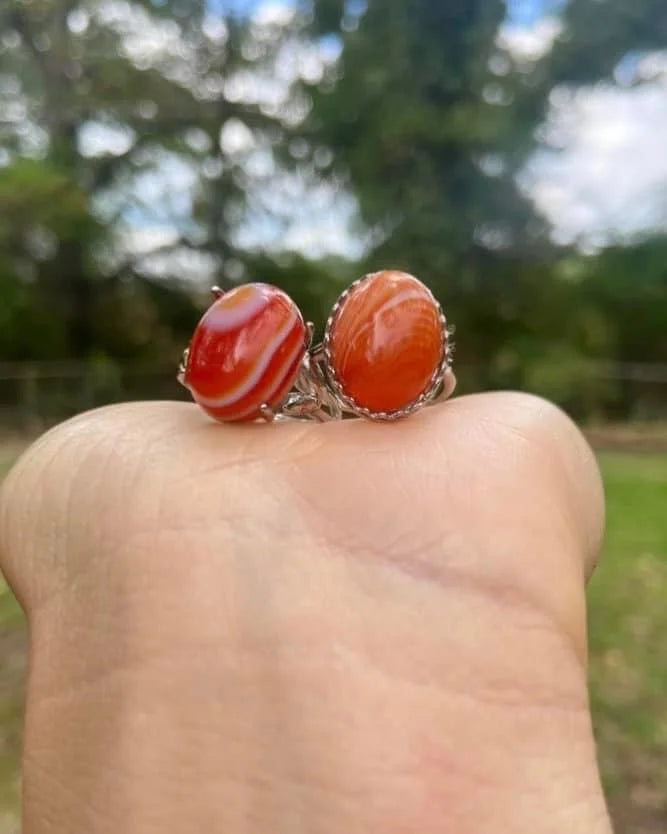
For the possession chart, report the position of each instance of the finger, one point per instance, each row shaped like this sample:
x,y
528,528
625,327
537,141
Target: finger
x,y
500,488
471,446
403,598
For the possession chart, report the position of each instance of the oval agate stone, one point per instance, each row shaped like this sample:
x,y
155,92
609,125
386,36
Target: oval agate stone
x,y
386,342
246,352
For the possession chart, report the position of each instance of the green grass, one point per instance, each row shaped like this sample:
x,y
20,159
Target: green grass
x,y
628,639
628,642
12,663
12,675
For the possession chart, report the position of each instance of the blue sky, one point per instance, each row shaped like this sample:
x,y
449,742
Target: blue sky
x,y
523,12
603,128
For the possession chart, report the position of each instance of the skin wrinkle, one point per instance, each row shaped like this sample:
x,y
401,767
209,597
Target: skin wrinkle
x,y
138,540
505,596
554,452
67,487
528,797
47,774
495,693
313,787
280,454
215,470
481,678
69,576
495,599
146,658
284,733
407,560
281,688
455,579
49,513
88,570
389,678
101,679
426,562
433,758
87,481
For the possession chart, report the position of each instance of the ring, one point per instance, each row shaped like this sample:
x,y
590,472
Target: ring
x,y
386,354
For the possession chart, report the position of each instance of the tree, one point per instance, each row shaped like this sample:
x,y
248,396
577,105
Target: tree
x,y
424,125
426,130
98,101
430,121
598,34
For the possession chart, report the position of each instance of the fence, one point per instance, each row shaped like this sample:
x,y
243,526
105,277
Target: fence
x,y
34,395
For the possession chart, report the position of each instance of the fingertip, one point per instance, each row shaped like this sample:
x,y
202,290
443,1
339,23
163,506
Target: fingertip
x,y
562,452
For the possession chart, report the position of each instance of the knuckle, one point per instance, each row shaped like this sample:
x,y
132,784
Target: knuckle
x,y
29,528
556,456
39,503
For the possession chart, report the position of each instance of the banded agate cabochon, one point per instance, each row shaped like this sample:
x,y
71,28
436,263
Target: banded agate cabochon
x,y
386,342
246,352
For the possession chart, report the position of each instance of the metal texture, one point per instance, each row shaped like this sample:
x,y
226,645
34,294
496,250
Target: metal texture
x,y
318,395
183,366
429,396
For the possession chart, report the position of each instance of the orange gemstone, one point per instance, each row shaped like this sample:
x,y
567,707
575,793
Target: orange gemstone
x,y
246,352
386,342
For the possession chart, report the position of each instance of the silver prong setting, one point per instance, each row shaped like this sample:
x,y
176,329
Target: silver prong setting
x,y
183,367
268,414
316,393
429,396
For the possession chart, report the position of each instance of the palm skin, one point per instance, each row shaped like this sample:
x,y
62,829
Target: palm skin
x,y
308,628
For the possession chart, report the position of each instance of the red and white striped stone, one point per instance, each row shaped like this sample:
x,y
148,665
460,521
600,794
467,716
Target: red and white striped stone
x,y
246,352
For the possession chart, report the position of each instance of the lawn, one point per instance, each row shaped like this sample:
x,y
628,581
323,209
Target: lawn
x,y
628,638
12,673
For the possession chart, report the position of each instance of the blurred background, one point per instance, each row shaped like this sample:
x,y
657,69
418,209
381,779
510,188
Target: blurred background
x,y
511,154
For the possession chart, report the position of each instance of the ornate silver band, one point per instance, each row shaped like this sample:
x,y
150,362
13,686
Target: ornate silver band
x,y
319,396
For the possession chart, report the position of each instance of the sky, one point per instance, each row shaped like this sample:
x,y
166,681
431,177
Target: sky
x,y
600,175
528,12
522,12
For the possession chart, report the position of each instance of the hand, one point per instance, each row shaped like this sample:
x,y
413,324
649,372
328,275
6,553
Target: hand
x,y
308,629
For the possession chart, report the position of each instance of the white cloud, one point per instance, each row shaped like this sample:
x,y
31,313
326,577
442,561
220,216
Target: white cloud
x,y
602,175
653,66
298,213
273,13
529,42
235,137
215,28
101,139
143,240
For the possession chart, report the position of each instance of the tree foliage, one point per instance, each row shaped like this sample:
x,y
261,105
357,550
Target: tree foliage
x,y
134,135
428,134
99,97
431,120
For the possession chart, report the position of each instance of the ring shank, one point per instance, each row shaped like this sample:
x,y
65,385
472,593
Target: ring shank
x,y
315,398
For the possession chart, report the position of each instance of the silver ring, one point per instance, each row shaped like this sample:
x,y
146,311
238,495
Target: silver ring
x,y
317,391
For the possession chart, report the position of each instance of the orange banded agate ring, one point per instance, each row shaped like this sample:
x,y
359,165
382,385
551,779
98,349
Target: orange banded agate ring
x,y
386,353
246,353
